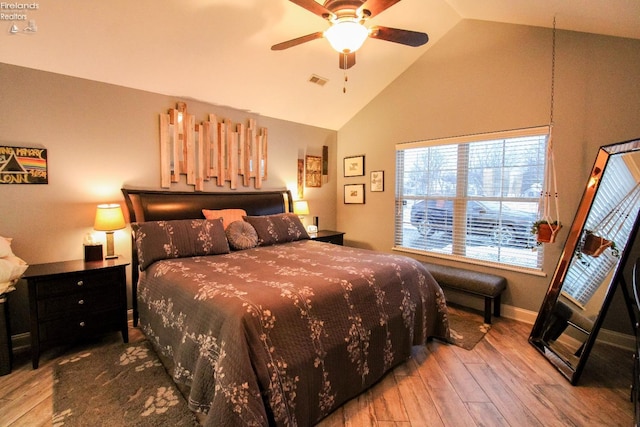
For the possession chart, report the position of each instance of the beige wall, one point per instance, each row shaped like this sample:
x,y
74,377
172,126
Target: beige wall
x,y
100,137
484,77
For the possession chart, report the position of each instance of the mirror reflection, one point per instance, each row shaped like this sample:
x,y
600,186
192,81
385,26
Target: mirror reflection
x,y
591,264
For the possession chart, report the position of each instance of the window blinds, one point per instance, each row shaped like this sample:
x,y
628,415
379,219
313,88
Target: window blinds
x,y
472,197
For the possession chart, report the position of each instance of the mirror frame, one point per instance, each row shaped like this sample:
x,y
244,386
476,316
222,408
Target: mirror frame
x,y
536,337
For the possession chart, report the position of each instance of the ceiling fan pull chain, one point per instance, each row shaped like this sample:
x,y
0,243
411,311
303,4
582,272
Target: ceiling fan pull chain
x,y
346,78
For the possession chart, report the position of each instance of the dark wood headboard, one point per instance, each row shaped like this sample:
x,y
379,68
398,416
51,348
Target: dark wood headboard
x,y
158,205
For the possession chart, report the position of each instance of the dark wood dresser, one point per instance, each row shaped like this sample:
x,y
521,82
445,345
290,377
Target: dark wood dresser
x,y
72,300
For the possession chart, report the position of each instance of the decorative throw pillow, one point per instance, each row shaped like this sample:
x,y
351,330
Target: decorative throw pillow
x,y
279,228
157,240
228,215
241,235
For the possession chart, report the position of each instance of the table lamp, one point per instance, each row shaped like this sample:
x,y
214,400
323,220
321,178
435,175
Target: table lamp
x,y
301,208
109,218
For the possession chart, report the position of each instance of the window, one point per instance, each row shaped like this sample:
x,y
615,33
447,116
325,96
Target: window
x,y
472,198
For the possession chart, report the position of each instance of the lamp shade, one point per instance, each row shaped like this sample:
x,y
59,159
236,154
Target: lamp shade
x,y
346,36
109,217
301,207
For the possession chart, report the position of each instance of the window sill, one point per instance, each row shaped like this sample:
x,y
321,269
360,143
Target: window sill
x,y
523,270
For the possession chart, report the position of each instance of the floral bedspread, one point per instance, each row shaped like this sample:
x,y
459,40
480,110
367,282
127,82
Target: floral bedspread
x,y
284,334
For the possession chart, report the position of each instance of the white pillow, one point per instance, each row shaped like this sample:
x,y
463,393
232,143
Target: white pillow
x,y
6,287
5,247
11,268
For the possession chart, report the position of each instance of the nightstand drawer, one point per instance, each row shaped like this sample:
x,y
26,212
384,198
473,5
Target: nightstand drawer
x,y
88,302
76,327
80,282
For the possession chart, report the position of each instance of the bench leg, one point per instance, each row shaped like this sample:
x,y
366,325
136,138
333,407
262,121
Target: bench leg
x,y
487,310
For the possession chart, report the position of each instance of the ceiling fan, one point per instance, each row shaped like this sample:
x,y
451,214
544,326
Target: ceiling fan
x,y
347,32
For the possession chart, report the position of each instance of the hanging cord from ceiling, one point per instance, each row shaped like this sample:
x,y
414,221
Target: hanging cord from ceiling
x,y
550,186
553,71
344,66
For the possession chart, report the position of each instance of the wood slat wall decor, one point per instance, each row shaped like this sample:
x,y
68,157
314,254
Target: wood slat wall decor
x,y
220,151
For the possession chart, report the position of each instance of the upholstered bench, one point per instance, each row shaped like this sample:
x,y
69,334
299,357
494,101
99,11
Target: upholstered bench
x,y
488,286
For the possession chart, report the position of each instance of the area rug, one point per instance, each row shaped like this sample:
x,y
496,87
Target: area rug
x,y
467,329
117,385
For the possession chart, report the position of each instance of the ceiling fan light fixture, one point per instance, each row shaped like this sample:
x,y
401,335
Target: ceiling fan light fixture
x,y
346,36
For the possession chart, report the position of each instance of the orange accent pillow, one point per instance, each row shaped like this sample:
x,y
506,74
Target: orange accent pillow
x,y
228,215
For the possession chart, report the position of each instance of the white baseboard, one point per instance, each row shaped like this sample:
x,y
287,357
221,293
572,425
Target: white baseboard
x,y
606,336
519,314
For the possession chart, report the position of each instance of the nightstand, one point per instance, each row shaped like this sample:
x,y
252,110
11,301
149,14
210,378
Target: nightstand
x,y
72,300
329,236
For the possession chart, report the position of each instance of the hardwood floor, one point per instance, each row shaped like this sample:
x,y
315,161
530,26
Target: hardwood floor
x,y
503,381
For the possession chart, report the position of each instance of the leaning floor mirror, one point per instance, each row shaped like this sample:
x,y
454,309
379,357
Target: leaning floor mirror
x,y
591,265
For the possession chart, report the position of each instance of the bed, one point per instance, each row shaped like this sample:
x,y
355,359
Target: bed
x,y
266,326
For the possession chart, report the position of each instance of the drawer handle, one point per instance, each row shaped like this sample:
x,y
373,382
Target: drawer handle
x,y
81,302
80,282
82,324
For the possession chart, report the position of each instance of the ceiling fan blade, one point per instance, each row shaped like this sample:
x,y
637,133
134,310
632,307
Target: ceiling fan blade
x,y
297,41
375,7
347,60
406,37
313,7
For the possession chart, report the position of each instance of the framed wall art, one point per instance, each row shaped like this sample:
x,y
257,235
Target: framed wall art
x,y
377,181
354,166
354,194
300,179
325,160
313,171
23,165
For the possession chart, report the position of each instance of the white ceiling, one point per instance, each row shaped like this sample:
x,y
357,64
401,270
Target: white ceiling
x,y
218,51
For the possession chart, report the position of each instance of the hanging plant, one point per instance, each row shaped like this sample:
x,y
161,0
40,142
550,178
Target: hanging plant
x,y
603,235
547,227
545,231
595,245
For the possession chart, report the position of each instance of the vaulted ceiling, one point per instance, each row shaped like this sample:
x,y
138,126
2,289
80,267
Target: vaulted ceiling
x,y
218,51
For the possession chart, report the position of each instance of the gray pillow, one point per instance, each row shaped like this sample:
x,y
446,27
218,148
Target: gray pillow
x,y
278,228
157,240
241,235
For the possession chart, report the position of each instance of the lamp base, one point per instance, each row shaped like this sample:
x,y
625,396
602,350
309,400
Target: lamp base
x,y
110,246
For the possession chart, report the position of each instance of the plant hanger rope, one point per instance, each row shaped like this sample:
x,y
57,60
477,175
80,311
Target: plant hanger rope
x,y
614,221
549,193
550,189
